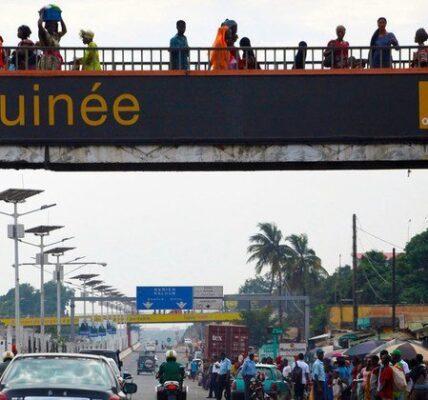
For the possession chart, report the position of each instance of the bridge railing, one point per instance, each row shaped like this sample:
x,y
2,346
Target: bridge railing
x,y
268,58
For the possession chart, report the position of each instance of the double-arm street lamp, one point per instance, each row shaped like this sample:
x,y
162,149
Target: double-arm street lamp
x,y
15,232
41,259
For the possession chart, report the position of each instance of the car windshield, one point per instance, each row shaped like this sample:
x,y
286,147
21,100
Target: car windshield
x,y
264,370
58,371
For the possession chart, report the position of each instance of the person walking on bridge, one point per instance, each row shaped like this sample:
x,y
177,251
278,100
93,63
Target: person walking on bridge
x,y
90,60
179,48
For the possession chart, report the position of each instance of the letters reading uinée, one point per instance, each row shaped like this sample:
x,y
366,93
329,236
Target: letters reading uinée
x,y
93,110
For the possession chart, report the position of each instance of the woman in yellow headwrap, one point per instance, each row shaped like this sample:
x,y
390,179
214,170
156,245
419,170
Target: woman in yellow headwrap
x,y
91,59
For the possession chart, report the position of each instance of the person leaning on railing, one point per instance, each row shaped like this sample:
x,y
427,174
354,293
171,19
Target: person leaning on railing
x,y
91,59
380,44
420,57
336,54
24,57
248,59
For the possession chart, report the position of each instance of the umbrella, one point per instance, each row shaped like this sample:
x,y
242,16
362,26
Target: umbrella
x,y
362,349
333,354
384,346
408,350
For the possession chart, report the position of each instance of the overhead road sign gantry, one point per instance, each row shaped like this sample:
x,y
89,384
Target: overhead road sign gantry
x,y
164,297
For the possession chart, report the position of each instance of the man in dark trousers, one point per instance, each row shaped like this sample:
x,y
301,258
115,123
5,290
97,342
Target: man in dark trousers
x,y
214,370
224,377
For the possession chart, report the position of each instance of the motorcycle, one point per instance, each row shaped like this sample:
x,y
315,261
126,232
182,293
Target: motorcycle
x,y
256,389
171,390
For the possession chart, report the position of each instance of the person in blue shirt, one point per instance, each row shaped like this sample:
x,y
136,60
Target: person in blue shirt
x,y
224,377
179,59
318,375
249,371
345,375
380,46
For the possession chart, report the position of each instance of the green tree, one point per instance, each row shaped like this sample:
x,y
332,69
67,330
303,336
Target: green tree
x,y
257,322
258,284
268,251
30,300
51,298
304,263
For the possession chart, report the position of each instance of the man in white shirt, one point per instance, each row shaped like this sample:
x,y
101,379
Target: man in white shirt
x,y
286,370
300,377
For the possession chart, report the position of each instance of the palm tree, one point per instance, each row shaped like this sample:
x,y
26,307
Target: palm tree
x,y
304,262
268,252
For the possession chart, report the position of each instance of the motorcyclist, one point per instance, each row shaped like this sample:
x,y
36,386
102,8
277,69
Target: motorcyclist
x,y
171,370
7,358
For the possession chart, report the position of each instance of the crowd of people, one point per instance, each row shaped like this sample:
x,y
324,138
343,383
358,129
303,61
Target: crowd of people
x,y
383,377
223,55
387,377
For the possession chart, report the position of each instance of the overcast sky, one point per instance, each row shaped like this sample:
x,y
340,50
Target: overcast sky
x,y
272,22
193,228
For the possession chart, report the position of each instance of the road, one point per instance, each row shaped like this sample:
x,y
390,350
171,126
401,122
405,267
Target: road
x,y
146,383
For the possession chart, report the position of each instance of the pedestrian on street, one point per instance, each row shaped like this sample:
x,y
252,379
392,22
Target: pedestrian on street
x,y
249,371
300,377
213,371
223,377
318,376
386,379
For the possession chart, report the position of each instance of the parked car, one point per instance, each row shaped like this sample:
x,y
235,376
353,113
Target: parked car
x,y
57,375
146,364
106,353
274,384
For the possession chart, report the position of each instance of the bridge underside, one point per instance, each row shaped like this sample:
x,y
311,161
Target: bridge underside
x,y
216,157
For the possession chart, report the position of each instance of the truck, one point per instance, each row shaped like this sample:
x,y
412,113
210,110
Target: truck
x,y
229,339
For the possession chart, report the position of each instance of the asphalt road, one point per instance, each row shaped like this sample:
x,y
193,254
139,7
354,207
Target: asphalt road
x,y
147,382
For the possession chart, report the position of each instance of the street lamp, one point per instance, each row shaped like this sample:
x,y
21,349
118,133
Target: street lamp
x,y
59,274
42,231
84,278
15,232
92,285
102,289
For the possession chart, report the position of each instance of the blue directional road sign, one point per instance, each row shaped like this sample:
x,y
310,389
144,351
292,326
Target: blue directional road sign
x,y
164,297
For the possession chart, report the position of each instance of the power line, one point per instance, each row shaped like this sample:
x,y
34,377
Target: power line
x,y
372,288
360,228
372,265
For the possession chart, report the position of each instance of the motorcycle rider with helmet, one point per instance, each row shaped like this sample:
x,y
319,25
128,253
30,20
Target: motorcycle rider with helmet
x,y
171,370
7,358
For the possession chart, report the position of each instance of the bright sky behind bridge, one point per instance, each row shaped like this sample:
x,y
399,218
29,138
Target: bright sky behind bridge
x,y
148,23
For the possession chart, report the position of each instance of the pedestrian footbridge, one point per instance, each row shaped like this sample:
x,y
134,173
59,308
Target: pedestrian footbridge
x,y
139,116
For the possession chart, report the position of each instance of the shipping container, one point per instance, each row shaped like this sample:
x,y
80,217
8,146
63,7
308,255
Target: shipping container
x,y
229,339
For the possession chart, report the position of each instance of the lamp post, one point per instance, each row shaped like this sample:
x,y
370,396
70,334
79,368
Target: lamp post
x,y
102,289
84,278
15,232
92,285
59,275
42,231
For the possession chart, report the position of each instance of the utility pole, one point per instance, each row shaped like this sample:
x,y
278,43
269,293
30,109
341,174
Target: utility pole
x,y
393,290
354,272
